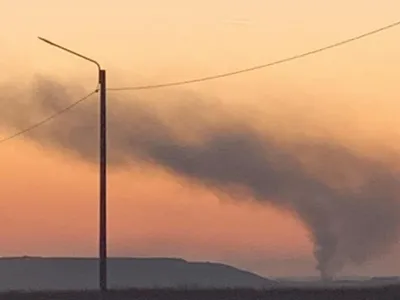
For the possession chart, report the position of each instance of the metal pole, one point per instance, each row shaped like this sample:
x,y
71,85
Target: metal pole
x,y
103,183
103,166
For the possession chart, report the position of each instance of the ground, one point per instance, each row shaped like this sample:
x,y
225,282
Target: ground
x,y
392,293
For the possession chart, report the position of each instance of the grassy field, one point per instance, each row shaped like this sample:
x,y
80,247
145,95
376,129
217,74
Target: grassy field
x,y
382,293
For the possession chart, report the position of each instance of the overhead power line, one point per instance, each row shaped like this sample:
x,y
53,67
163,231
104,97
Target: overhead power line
x,y
177,83
270,64
46,120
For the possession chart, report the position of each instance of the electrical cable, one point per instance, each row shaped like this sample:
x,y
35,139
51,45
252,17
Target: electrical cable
x,y
46,120
288,59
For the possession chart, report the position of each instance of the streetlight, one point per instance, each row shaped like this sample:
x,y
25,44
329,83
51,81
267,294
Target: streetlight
x,y
103,167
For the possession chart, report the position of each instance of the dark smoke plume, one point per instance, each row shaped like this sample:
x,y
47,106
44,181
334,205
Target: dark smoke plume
x,y
349,202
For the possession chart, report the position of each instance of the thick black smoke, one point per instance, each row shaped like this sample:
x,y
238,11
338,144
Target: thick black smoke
x,y
349,202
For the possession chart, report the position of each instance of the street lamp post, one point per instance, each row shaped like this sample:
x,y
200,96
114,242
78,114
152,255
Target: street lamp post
x,y
103,167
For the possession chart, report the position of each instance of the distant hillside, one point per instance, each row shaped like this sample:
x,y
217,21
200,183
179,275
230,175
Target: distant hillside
x,y
81,273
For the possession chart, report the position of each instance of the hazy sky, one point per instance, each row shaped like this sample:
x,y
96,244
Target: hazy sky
x,y
49,201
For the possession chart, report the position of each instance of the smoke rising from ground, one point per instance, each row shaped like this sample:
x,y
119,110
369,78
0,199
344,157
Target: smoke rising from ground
x,y
348,202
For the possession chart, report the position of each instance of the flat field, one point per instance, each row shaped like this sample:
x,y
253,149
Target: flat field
x,y
375,293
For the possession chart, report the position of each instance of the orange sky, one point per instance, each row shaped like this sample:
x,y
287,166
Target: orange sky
x,y
49,202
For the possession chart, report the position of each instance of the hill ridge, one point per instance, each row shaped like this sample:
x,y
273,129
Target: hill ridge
x,y
64,273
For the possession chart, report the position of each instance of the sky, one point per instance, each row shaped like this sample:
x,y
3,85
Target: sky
x,y
49,199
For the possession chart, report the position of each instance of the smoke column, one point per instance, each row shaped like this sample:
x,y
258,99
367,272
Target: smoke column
x,y
348,202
